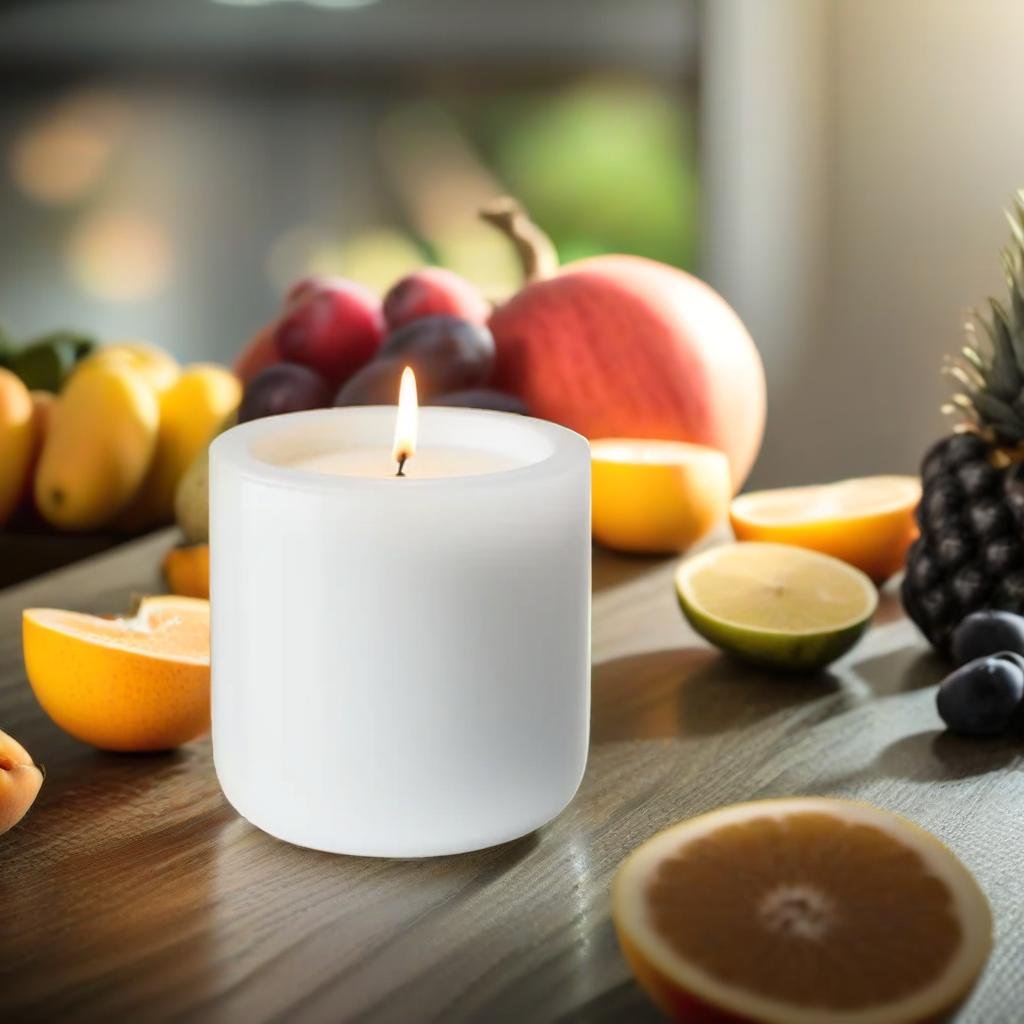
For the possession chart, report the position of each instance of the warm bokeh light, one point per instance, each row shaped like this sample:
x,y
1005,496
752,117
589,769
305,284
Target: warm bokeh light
x,y
119,255
375,257
60,158
443,205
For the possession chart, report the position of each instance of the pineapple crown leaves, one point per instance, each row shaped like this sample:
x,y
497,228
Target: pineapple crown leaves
x,y
990,366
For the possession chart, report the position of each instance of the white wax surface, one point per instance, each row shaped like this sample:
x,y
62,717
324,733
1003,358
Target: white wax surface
x,y
430,463
413,654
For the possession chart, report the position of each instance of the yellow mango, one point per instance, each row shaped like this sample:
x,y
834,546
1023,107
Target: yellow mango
x,y
192,412
17,441
99,447
160,368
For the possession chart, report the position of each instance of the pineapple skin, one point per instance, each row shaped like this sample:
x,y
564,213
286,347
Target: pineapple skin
x,y
970,554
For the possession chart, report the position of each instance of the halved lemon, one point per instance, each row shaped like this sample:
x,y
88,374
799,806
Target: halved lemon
x,y
868,522
801,911
776,605
135,683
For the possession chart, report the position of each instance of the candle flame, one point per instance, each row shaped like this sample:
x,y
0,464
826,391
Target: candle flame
x,y
406,421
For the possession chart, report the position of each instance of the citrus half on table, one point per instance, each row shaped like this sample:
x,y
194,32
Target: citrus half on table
x,y
651,497
135,683
801,911
775,605
868,522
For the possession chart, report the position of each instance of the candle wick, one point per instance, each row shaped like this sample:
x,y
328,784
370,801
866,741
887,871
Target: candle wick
x,y
401,464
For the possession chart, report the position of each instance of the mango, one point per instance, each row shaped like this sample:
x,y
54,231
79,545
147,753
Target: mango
x,y
17,441
20,781
160,368
192,501
192,411
99,448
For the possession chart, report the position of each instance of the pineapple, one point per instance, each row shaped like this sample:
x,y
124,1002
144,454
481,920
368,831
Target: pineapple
x,y
970,554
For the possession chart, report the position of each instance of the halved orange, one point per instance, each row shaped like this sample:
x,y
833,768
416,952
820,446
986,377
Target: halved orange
x,y
868,522
801,911
135,683
655,497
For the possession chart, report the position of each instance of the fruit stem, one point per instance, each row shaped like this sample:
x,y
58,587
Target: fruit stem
x,y
536,251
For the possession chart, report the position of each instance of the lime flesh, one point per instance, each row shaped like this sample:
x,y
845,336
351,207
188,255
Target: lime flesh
x,y
776,605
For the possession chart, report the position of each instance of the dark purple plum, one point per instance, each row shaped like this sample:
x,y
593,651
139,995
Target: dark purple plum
x,y
376,384
283,387
482,398
982,697
446,352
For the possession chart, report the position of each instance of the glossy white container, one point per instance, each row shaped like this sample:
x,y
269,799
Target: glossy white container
x,y
401,667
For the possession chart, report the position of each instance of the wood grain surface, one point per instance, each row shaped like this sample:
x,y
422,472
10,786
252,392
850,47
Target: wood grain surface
x,y
132,892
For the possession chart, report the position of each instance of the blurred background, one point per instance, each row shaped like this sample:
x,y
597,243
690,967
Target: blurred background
x,y
837,168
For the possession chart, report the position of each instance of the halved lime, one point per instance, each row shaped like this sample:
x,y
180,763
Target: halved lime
x,y
776,605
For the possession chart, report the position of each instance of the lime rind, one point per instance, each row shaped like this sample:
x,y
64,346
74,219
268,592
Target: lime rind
x,y
791,650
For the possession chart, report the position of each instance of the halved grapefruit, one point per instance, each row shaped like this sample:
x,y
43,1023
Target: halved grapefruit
x,y
801,911
136,683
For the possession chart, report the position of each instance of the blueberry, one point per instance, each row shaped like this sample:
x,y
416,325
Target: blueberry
x,y
985,633
981,697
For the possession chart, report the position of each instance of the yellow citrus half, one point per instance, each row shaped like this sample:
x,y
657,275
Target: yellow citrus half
x,y
775,605
801,911
138,683
652,497
867,522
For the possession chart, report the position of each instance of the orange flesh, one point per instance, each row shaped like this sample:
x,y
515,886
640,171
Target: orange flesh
x,y
809,910
161,632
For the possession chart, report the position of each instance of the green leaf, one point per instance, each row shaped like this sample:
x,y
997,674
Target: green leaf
x,y
1009,434
997,413
6,348
1017,320
1014,220
1004,377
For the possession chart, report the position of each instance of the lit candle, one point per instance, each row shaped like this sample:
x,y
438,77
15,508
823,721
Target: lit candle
x,y
375,461
400,663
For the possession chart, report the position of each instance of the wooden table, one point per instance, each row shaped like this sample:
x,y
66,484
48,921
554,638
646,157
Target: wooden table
x,y
132,892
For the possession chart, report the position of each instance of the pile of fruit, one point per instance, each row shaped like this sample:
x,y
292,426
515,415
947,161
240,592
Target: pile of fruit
x,y
104,445
611,346
337,344
970,555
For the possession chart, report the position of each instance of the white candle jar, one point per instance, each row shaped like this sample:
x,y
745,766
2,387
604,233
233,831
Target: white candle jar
x,y
401,667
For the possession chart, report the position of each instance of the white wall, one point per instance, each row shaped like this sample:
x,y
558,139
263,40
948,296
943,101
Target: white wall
x,y
859,154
